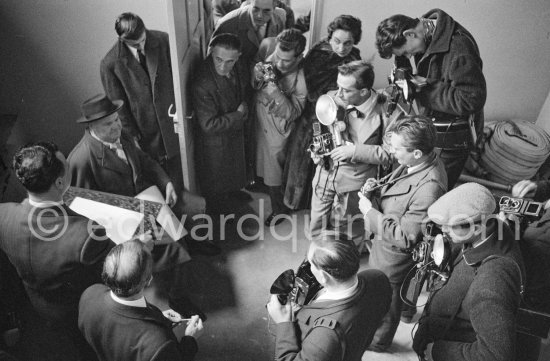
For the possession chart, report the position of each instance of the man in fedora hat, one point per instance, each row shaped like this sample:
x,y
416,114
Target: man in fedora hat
x,y
107,159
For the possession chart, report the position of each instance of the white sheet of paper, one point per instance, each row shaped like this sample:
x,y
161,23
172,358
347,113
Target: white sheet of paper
x,y
119,223
166,218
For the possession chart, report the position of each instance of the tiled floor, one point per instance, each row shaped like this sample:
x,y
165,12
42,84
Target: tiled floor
x,y
234,287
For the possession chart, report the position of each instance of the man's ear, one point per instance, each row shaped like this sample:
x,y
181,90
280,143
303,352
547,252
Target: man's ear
x,y
59,183
324,277
417,153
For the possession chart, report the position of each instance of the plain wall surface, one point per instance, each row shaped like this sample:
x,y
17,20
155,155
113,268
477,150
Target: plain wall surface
x,y
513,37
51,50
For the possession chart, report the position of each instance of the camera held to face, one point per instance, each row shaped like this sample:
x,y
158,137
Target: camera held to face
x,y
433,264
403,86
299,287
269,73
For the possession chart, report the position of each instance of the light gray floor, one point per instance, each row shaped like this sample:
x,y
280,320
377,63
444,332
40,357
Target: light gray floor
x,y
233,289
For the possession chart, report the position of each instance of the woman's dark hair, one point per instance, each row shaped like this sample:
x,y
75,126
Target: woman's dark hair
x,y
347,23
37,167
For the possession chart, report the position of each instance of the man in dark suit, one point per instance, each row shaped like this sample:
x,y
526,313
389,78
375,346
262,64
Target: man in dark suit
x,y
56,252
138,71
401,207
120,324
107,160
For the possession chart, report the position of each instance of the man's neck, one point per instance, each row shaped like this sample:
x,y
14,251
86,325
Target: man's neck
x,y
363,100
341,286
48,197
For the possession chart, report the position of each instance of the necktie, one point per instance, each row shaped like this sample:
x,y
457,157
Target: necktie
x,y
260,32
117,147
358,114
142,60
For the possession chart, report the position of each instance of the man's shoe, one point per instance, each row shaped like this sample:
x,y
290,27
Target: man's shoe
x,y
185,307
254,186
206,247
270,222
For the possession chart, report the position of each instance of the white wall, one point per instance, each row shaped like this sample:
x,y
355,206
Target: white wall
x,y
513,37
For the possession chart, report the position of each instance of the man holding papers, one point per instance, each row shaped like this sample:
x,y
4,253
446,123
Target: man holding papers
x,y
108,160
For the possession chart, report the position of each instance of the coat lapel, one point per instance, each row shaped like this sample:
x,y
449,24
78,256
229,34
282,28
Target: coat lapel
x,y
151,54
107,157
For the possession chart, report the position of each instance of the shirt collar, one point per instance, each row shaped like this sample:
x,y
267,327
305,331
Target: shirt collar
x,y
338,295
45,204
140,302
368,105
134,50
114,145
416,167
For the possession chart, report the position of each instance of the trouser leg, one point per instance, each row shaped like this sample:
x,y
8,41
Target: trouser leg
x,y
454,161
277,204
383,337
321,206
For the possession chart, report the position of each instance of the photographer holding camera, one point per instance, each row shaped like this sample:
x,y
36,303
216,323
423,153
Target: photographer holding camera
x,y
279,100
334,203
445,57
340,321
400,207
473,316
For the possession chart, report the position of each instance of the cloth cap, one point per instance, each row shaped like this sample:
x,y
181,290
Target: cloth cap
x,y
467,203
98,107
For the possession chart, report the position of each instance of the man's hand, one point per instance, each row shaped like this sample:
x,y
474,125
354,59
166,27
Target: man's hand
x,y
315,157
172,315
243,109
171,196
343,153
147,239
259,71
279,313
194,327
271,88
364,204
524,188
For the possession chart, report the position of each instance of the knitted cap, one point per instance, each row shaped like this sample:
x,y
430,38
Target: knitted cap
x,y
469,202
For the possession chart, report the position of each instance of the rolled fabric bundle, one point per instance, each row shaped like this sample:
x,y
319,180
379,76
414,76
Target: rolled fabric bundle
x,y
515,151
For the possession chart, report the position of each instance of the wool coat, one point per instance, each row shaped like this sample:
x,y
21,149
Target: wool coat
x,y
330,330
147,96
484,292
397,216
220,148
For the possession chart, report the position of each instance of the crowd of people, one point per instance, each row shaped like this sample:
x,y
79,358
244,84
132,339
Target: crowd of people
x,y
255,98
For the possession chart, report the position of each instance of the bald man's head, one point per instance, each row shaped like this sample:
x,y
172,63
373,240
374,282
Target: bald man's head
x,y
128,268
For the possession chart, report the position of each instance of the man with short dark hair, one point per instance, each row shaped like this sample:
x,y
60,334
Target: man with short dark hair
x,y
221,89
120,324
138,71
444,56
400,208
56,252
278,103
334,203
340,321
252,23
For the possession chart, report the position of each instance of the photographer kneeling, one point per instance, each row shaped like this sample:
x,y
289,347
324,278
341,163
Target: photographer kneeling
x,y
340,321
473,316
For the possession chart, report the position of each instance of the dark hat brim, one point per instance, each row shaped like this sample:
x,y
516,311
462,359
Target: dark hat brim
x,y
118,104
